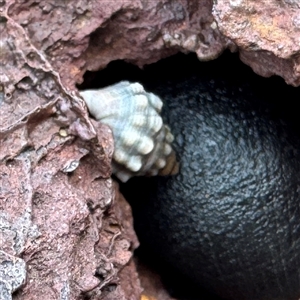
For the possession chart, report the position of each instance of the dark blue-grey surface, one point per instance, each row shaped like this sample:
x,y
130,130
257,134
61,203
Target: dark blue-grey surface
x,y
230,220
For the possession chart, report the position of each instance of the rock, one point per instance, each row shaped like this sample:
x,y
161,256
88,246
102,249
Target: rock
x,y
90,34
61,220
267,35
45,50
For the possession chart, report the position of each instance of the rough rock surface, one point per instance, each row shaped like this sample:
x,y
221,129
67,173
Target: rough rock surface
x,y
267,34
90,34
12,274
58,211
46,136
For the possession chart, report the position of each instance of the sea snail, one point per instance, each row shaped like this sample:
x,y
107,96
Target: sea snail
x,y
142,141
230,220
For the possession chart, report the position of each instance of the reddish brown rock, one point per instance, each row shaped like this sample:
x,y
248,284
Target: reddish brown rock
x,y
267,34
57,200
58,209
90,34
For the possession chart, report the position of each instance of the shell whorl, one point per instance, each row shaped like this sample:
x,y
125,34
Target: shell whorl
x,y
142,141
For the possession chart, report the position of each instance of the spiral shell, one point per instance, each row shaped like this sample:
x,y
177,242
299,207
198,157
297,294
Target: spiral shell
x,y
142,141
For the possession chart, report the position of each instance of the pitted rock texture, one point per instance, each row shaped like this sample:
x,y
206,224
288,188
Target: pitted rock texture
x,y
12,274
266,33
90,34
230,219
64,232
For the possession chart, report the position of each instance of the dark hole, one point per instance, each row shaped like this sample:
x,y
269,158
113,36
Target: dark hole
x,y
109,288
99,276
281,97
2,19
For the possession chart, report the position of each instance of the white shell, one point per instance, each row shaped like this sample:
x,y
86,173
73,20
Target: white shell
x,y
142,141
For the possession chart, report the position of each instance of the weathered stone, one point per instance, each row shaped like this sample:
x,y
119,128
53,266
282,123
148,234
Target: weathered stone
x,y
58,206
90,34
266,33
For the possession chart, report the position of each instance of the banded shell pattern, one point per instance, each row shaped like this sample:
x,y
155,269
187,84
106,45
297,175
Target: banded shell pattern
x,y
142,141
